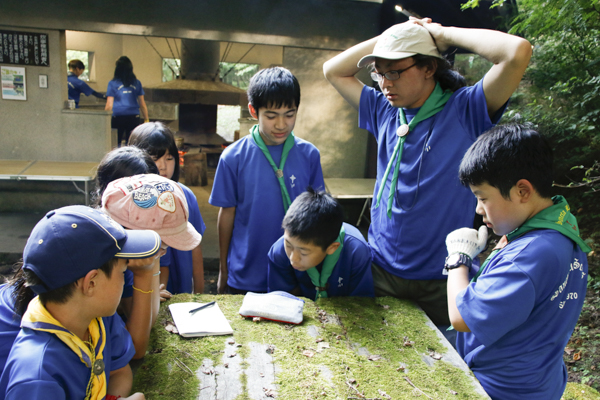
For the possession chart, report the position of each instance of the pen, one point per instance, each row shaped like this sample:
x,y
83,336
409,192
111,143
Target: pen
x,y
202,307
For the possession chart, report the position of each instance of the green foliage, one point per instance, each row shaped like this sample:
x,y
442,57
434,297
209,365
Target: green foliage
x,y
472,66
560,93
170,68
237,74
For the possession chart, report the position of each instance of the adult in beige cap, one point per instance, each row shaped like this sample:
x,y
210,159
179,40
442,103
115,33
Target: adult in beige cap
x,y
424,119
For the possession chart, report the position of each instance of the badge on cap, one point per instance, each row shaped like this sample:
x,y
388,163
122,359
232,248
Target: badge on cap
x,y
145,196
166,202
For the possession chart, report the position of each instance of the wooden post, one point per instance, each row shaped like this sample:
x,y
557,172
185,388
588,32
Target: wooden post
x,y
194,166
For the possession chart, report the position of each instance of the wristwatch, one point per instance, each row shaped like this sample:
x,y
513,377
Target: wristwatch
x,y
456,260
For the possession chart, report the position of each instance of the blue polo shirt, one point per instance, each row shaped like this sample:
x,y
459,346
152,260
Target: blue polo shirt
x,y
429,201
40,365
125,97
76,87
521,312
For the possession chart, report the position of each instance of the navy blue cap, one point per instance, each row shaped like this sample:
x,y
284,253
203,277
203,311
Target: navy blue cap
x,y
71,241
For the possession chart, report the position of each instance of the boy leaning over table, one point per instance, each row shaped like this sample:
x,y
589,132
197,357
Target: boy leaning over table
x,y
516,315
319,255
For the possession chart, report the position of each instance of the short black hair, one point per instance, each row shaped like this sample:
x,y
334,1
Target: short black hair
x,y
274,87
26,278
76,64
314,217
156,139
120,163
506,154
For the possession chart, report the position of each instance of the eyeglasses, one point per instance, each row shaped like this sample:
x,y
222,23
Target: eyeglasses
x,y
390,75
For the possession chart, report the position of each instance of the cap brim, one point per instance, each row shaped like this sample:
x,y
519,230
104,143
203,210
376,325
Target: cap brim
x,y
390,55
186,240
140,244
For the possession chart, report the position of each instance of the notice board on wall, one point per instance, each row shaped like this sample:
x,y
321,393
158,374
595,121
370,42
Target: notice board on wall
x,y
24,48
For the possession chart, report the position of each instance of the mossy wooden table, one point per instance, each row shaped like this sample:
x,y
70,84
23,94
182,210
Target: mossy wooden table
x,y
346,348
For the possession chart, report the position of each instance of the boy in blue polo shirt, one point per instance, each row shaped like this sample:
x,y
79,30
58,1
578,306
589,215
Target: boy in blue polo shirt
x,y
319,255
72,345
257,179
76,86
517,314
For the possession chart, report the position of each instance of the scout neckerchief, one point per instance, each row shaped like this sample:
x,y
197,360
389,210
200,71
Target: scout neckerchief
x,y
434,104
287,146
320,279
38,318
557,217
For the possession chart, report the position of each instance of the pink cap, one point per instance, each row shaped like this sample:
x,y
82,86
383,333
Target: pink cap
x,y
155,203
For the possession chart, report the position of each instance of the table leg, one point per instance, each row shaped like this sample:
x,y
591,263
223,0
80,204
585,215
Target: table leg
x,y
366,206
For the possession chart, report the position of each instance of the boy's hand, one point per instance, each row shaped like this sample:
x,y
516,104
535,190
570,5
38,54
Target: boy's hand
x,y
164,293
144,264
435,30
467,241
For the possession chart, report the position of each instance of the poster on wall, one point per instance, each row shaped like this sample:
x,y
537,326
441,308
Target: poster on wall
x,y
24,48
13,83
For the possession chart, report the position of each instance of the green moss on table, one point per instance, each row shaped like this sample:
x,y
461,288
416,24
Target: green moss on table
x,y
346,347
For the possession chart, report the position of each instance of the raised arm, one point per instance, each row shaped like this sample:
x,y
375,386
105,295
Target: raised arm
x,y
510,55
145,301
340,71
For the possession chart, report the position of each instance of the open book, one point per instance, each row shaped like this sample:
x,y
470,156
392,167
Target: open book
x,y
206,322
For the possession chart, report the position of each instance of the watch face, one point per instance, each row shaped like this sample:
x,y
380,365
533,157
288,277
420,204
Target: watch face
x,y
453,259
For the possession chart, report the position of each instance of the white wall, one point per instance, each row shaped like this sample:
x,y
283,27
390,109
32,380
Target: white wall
x,y
40,128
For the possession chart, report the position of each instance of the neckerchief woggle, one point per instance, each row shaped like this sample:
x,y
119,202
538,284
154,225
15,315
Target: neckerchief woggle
x,y
557,217
38,318
320,279
287,146
434,104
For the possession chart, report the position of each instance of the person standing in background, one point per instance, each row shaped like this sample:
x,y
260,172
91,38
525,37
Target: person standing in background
x,y
125,97
77,86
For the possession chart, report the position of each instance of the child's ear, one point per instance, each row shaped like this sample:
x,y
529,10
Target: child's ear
x,y
252,111
89,283
524,190
332,248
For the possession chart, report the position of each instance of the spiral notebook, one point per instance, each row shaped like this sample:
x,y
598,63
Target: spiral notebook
x,y
206,322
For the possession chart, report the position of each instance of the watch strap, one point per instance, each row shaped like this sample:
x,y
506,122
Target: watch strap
x,y
452,261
